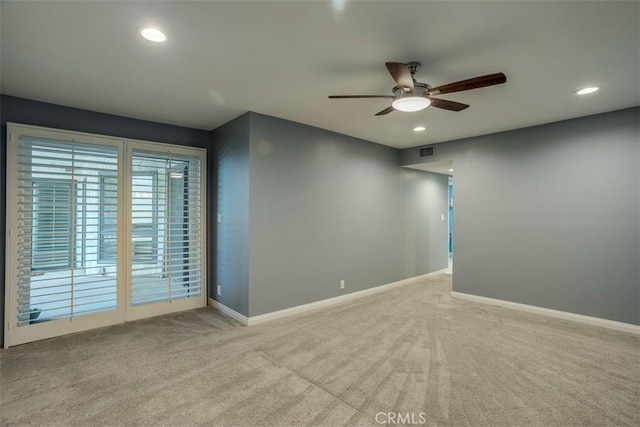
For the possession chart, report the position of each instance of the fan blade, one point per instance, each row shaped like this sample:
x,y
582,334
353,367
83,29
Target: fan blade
x,y
401,74
359,96
474,83
385,111
448,105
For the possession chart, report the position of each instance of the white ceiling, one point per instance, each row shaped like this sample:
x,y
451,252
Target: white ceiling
x,y
283,59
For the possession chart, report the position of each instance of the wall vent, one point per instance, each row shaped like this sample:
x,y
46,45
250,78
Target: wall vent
x,y
427,151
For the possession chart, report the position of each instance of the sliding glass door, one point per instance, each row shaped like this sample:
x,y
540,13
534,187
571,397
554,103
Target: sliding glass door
x,y
100,230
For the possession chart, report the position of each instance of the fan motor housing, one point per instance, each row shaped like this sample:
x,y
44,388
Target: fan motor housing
x,y
420,90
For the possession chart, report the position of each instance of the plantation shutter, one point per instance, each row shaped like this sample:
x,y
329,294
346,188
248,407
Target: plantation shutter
x,y
63,204
166,228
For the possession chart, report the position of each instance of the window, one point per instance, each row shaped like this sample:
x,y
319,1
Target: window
x,y
144,216
52,224
107,250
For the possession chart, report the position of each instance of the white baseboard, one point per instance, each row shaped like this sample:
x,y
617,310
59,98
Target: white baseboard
x,y
229,312
589,320
262,318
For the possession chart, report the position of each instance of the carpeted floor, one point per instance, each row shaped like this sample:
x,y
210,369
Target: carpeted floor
x,y
411,354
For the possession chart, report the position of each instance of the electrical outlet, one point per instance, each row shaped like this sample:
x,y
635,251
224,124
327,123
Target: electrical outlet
x,y
219,218
341,284
219,290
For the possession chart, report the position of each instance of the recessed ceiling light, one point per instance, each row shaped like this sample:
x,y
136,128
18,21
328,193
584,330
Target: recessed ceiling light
x,y
587,90
450,170
419,128
153,34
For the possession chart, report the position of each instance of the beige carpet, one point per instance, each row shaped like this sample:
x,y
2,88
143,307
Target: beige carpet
x,y
412,351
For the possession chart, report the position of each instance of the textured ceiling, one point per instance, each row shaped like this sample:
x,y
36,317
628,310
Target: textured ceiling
x,y
283,59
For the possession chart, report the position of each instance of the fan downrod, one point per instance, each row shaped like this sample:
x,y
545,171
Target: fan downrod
x,y
413,67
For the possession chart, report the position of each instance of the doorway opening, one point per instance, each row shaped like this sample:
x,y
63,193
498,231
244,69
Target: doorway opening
x,y
444,169
450,222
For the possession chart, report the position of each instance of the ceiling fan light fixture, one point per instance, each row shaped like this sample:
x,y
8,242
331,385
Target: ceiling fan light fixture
x,y
411,103
412,95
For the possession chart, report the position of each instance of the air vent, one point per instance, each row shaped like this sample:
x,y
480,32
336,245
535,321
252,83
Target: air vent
x,y
427,151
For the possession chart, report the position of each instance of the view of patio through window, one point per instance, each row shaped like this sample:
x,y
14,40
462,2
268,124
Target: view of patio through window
x,y
165,226
60,273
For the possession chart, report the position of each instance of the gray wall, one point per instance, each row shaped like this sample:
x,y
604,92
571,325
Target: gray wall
x,y
231,143
549,215
19,110
326,207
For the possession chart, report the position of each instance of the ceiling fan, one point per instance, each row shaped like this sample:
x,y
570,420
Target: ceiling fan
x,y
411,95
